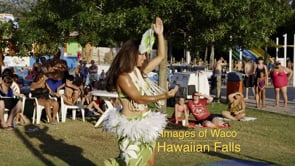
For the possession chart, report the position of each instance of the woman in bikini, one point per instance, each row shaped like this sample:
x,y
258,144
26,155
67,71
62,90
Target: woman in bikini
x,y
181,111
138,125
236,107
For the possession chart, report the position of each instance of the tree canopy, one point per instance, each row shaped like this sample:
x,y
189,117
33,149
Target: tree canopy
x,y
188,24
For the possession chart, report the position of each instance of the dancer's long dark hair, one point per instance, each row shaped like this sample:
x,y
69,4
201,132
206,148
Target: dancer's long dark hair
x,y
124,62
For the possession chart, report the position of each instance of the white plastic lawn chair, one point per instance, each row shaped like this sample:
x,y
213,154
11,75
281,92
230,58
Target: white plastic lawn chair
x,y
6,111
108,107
38,111
64,107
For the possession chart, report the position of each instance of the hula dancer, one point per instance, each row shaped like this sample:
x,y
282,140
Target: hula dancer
x,y
137,126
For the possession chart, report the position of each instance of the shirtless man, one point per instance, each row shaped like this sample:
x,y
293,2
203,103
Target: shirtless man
x,y
239,66
249,76
217,71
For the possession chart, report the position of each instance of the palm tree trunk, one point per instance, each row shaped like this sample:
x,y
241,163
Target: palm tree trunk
x,y
205,57
212,56
163,83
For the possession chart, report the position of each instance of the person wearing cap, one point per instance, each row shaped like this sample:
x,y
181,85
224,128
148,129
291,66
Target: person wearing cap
x,y
280,76
197,107
236,107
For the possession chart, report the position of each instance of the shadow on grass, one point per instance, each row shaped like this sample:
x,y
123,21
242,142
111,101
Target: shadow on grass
x,y
92,119
70,154
228,157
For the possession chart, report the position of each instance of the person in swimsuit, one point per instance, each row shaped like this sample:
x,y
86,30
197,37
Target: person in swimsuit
x,y
90,103
138,124
40,89
236,107
261,84
260,93
71,91
280,76
217,73
181,111
249,79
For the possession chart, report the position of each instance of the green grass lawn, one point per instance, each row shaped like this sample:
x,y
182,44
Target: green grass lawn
x,y
268,139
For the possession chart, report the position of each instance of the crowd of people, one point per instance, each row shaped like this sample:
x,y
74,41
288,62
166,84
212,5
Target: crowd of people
x,y
50,81
259,75
138,98
256,76
197,106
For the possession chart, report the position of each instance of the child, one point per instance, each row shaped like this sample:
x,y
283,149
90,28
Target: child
x,y
181,111
261,83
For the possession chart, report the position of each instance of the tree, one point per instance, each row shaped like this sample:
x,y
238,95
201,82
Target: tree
x,y
109,22
193,25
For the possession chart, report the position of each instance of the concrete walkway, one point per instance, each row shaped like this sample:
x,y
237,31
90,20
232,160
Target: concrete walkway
x,y
270,101
270,106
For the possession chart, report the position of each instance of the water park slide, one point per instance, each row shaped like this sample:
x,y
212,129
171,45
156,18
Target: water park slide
x,y
249,54
257,52
252,53
260,53
245,53
236,55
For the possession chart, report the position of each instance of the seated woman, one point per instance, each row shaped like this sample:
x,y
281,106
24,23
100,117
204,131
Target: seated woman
x,y
71,91
90,102
236,107
40,90
9,102
181,111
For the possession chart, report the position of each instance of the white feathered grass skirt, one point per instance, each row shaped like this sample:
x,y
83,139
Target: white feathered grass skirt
x,y
145,128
